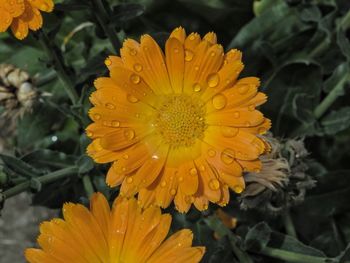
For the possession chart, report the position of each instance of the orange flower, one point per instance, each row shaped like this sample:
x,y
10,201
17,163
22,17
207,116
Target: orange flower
x,y
125,233
179,126
22,15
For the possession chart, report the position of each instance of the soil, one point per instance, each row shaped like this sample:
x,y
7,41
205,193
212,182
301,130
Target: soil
x,y
19,227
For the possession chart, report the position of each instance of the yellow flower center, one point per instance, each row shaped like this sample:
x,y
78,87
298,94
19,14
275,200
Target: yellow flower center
x,y
180,120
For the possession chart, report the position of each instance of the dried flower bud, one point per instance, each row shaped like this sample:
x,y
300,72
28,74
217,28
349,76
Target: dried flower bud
x,y
283,180
17,92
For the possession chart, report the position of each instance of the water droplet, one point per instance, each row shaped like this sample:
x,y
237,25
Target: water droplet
x,y
124,169
138,67
173,191
115,123
110,106
238,189
214,184
196,68
247,124
213,80
89,134
163,184
135,79
211,152
193,171
108,62
189,199
176,50
191,37
236,114
219,101
129,134
229,131
188,55
227,159
202,168
129,180
97,116
243,89
251,107
132,98
212,53
197,87
181,179
133,52
125,156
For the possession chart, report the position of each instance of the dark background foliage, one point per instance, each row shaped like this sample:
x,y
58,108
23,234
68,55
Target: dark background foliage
x,y
299,48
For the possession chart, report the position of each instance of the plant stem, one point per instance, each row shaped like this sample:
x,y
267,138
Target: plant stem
x,y
45,179
57,60
294,257
288,223
89,188
104,21
331,97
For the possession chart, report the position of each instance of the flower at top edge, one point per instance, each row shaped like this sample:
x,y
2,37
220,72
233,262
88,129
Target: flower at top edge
x,y
177,124
23,15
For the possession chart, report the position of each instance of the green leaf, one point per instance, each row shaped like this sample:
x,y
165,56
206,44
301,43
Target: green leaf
x,y
20,167
85,164
336,121
125,12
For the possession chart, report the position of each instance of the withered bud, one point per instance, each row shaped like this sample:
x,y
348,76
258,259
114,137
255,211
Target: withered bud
x,y
17,91
283,179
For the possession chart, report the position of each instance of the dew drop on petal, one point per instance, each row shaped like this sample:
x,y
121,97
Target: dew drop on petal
x,y
138,67
173,191
251,107
236,114
227,159
188,55
219,101
132,52
214,184
97,116
163,184
211,152
213,80
129,180
132,98
229,131
135,79
193,171
197,87
115,123
110,106
181,179
129,134
125,156
108,62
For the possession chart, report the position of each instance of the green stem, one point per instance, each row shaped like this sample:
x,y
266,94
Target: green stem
x,y
288,223
89,188
294,257
331,97
57,60
104,21
45,179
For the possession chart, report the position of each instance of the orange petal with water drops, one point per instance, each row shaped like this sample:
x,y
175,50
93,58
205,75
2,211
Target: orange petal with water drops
x,y
188,178
259,129
167,188
105,82
252,166
133,84
19,28
211,38
225,196
121,138
209,181
182,202
32,16
175,61
201,202
100,155
179,33
237,184
113,61
147,173
153,58
97,130
114,178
